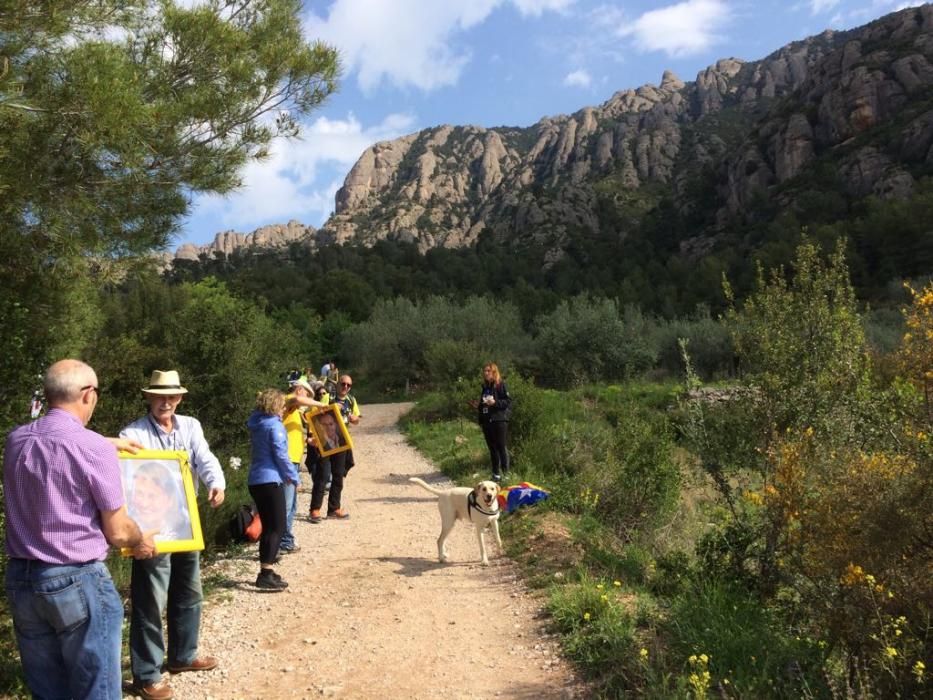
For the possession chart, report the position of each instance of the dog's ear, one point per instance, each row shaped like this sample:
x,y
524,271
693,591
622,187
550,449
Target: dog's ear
x,y
478,489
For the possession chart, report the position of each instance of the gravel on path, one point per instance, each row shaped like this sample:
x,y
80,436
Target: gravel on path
x,y
369,612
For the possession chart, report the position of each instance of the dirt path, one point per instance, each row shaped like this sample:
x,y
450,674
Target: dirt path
x,y
369,612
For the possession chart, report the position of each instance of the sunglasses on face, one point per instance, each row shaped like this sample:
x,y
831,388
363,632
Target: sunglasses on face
x,y
95,389
345,384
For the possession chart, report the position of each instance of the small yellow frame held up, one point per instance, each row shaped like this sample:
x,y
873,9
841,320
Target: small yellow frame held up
x,y
324,445
159,491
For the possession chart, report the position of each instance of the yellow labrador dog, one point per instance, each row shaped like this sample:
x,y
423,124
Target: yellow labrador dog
x,y
478,505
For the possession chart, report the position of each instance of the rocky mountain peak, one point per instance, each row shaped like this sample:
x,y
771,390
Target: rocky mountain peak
x,y
671,82
446,185
230,242
750,127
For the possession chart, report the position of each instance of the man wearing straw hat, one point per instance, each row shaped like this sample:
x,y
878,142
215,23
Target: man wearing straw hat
x,y
172,580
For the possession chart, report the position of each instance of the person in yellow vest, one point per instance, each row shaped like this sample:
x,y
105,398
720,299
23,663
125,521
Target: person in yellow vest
x,y
296,404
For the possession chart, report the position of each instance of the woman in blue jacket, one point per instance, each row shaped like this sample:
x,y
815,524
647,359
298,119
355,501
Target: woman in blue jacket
x,y
270,468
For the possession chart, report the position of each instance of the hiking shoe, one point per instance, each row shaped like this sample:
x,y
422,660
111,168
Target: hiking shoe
x,y
497,478
205,663
270,581
339,514
315,516
160,690
290,550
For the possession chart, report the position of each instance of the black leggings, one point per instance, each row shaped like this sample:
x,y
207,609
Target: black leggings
x,y
270,502
496,434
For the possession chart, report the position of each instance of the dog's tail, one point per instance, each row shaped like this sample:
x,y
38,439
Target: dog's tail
x,y
425,486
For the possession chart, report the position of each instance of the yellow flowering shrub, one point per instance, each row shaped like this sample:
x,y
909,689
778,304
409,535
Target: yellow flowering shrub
x,y
828,499
845,524
916,352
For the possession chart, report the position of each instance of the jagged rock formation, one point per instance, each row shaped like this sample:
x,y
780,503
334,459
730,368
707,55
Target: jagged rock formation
x,y
230,242
855,102
755,125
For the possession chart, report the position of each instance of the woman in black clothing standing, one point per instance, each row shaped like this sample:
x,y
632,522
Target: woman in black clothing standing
x,y
495,408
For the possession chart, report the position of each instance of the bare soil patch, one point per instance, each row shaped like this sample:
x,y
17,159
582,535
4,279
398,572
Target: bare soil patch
x,y
369,612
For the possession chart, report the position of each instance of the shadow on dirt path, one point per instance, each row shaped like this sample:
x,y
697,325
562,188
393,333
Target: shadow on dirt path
x,y
369,612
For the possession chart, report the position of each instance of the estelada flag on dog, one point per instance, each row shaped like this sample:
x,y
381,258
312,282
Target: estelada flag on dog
x,y
523,494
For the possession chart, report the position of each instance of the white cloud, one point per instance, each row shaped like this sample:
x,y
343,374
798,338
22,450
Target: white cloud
x,y
301,177
818,6
409,42
886,6
848,17
608,17
578,78
539,7
679,30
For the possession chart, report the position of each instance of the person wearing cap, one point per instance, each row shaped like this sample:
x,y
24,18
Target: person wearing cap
x,y
296,404
64,506
171,581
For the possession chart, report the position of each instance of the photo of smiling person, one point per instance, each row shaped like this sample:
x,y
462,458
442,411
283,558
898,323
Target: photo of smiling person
x,y
155,502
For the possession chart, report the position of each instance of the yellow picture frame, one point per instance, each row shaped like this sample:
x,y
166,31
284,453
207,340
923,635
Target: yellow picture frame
x,y
159,490
325,431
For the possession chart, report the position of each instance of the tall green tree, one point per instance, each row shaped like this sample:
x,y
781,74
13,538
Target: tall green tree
x,y
112,114
434,340
586,339
801,341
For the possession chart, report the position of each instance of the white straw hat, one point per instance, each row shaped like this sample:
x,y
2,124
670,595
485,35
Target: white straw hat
x,y
165,382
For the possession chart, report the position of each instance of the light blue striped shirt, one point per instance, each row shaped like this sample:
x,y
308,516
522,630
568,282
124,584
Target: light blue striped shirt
x,y
187,435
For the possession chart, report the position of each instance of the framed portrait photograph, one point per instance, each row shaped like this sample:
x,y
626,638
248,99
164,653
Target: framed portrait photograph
x,y
330,434
159,491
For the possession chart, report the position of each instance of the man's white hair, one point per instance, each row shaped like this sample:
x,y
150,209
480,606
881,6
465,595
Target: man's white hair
x,y
64,379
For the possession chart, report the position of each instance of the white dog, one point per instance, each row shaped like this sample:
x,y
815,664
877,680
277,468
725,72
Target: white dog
x,y
478,505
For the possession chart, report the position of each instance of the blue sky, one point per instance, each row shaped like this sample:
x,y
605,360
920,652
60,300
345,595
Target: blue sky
x,y
413,64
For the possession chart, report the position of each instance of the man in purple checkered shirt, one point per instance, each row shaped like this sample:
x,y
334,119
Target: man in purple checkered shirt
x,y
64,507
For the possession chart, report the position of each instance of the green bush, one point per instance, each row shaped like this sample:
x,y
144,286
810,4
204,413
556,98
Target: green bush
x,y
743,641
583,341
673,572
535,408
638,480
405,341
448,360
598,632
884,329
711,349
225,349
557,450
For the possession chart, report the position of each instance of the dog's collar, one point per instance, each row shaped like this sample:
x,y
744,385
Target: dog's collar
x,y
471,504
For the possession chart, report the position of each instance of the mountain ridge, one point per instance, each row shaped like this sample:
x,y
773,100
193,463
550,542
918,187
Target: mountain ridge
x,y
742,131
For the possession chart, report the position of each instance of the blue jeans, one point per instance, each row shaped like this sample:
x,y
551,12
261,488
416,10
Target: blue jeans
x,y
291,505
175,580
68,620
